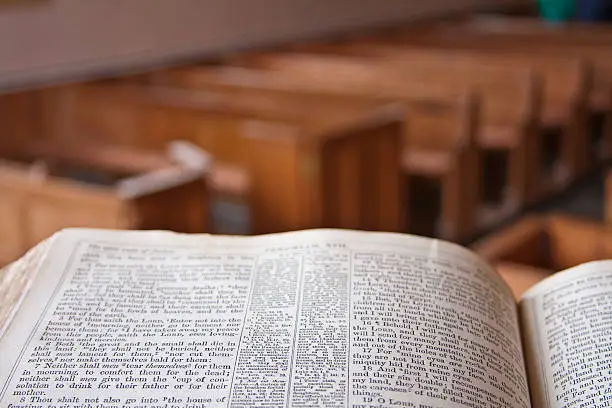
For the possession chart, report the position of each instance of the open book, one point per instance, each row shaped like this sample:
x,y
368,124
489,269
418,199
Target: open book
x,y
320,318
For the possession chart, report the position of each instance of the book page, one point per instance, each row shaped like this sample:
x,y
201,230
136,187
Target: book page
x,y
310,319
15,281
567,323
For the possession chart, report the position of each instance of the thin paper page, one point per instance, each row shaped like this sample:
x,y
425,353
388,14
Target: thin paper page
x,y
567,322
15,281
315,318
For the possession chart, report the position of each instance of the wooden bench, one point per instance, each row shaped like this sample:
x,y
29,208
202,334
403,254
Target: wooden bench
x,y
596,55
565,83
573,33
50,186
550,42
439,128
534,247
310,162
506,126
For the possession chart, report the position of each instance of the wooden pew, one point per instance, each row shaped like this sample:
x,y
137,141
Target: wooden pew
x,y
565,83
506,127
439,126
534,247
47,187
590,40
311,162
596,55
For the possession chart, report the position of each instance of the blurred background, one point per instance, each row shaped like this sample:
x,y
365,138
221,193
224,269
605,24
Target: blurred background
x,y
487,123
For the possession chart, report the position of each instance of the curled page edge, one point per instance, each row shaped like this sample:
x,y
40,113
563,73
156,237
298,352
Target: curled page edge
x,y
16,280
564,275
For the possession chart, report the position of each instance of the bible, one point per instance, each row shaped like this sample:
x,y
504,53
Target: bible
x,y
317,318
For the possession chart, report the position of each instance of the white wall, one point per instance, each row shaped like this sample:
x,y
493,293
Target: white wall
x,y
52,39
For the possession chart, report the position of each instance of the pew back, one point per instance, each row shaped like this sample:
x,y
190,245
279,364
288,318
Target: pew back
x,y
266,133
508,94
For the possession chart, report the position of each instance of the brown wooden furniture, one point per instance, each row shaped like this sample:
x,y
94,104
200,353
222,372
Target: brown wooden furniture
x,y
445,153
311,161
50,187
535,247
564,83
595,52
506,126
575,34
438,131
